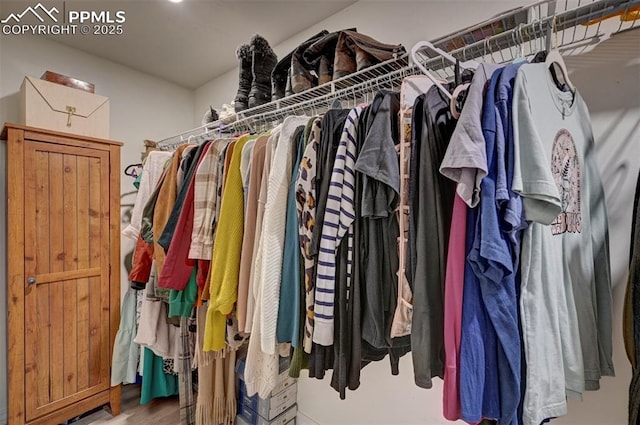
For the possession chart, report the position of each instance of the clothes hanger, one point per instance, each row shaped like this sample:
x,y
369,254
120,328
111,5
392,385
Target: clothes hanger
x,y
554,60
132,170
416,61
517,38
485,44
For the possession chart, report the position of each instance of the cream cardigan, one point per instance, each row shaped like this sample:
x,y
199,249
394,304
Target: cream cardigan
x,y
273,226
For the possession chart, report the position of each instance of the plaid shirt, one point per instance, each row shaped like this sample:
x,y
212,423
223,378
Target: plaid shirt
x,y
185,389
205,200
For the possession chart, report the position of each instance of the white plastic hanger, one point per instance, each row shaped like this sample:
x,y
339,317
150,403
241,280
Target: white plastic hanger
x,y
554,57
422,45
517,37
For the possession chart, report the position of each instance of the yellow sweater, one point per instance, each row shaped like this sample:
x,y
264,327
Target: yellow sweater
x,y
227,246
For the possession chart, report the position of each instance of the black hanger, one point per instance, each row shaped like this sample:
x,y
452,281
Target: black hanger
x,y
133,170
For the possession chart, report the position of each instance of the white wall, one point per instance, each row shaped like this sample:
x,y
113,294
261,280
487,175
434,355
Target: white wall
x,y
142,107
609,80
398,21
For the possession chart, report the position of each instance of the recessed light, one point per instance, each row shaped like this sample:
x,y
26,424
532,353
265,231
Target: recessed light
x,y
175,1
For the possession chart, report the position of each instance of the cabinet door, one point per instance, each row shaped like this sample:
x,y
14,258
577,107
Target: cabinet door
x,y
66,235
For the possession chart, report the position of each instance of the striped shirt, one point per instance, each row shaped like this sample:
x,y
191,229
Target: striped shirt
x,y
338,217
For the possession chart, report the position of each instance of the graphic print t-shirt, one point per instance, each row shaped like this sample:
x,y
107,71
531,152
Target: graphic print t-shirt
x,y
566,284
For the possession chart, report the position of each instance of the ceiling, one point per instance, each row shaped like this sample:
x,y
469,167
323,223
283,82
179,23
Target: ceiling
x,y
192,42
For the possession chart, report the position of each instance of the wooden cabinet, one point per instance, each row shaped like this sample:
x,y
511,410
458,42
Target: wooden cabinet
x,y
63,287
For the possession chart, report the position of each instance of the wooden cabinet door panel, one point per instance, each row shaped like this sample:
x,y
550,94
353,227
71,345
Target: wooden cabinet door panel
x,y
66,204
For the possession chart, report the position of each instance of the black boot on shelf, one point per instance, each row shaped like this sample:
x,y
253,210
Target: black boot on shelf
x,y
244,77
264,60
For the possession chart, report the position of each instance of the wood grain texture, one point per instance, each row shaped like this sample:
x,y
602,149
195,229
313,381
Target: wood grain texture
x,y
114,272
59,233
95,237
72,274
42,267
56,289
72,410
44,135
31,296
105,261
83,264
16,282
70,237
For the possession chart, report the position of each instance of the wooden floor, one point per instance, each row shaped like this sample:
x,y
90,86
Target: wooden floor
x,y
163,411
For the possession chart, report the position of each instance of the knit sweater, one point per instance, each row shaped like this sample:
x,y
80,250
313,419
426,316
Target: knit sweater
x,y
273,231
225,262
261,369
256,255
255,176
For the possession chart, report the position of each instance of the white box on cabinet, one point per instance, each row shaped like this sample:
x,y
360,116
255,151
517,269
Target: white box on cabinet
x,y
60,108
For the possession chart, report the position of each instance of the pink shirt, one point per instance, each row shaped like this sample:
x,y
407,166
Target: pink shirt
x,y
453,288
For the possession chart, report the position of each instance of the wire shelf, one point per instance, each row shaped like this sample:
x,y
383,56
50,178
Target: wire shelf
x,y
520,32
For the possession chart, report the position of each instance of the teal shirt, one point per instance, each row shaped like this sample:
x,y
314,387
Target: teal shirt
x,y
181,302
288,326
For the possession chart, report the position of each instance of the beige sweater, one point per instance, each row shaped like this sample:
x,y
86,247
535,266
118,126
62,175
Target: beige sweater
x,y
255,179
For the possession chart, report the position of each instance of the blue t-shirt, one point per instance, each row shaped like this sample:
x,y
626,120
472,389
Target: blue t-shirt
x,y
492,256
479,391
509,203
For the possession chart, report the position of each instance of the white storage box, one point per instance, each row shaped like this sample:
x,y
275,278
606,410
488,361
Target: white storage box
x,y
271,407
60,108
249,417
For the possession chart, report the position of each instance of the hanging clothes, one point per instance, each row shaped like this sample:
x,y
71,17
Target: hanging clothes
x,y
465,163
273,232
245,289
492,255
631,316
178,267
307,196
288,324
225,262
156,383
151,172
126,353
566,243
256,255
292,239
432,204
338,222
332,125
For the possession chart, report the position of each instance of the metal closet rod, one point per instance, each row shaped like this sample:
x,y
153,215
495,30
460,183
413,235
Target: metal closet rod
x,y
391,73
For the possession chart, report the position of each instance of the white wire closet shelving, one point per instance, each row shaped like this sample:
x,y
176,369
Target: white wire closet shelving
x,y
570,25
